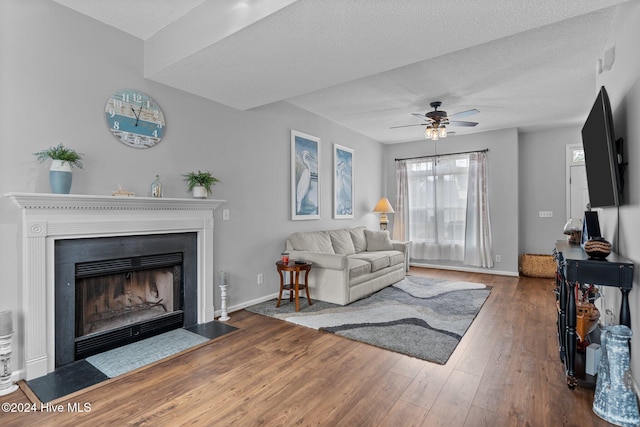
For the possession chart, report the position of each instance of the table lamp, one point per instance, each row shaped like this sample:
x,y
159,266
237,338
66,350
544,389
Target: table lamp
x,y
383,208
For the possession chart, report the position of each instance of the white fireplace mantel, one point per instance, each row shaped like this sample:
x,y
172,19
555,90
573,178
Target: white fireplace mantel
x,y
46,218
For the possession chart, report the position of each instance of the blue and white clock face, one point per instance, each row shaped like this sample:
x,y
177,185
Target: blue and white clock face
x,y
135,119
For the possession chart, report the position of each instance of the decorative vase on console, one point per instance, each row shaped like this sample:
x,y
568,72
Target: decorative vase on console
x,y
615,399
597,248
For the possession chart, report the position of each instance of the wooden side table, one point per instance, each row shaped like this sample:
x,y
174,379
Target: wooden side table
x,y
294,284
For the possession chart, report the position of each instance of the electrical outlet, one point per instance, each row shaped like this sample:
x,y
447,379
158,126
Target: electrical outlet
x,y
260,278
225,214
545,214
498,258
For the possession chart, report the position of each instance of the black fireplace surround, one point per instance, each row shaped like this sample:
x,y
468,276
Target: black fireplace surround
x,y
79,259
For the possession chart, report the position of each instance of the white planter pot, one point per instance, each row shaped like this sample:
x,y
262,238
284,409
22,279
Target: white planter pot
x,y
199,192
60,176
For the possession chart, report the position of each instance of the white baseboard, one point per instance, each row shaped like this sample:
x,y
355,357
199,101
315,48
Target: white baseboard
x,y
18,375
238,307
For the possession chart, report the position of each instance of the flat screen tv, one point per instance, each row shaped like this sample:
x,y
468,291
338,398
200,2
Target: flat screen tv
x,y
602,154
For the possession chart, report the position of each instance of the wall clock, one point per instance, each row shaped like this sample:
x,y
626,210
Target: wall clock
x,y
135,119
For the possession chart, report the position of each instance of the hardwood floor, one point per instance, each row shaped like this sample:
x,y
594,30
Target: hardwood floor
x,y
505,372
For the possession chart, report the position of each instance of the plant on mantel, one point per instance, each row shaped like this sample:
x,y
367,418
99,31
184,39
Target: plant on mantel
x,y
62,153
200,179
63,159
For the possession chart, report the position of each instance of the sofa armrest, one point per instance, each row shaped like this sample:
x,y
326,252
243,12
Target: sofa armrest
x,y
399,246
404,248
331,261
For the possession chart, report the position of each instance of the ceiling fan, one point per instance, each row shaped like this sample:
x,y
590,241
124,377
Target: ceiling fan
x,y
436,121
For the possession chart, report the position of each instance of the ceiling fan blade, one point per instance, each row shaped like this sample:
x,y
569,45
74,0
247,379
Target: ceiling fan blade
x,y
422,116
463,114
464,124
405,126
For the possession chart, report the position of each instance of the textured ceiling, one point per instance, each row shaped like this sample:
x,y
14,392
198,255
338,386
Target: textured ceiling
x,y
368,64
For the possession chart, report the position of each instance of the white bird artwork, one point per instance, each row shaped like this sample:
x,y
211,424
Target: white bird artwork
x,y
302,187
343,183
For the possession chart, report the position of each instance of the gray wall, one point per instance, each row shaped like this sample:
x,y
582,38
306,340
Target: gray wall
x,y
58,70
542,187
622,227
503,183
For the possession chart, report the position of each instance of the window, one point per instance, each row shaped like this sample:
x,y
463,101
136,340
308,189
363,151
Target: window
x,y
437,207
442,208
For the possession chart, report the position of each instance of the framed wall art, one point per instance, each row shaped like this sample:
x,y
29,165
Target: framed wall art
x,y
342,182
305,180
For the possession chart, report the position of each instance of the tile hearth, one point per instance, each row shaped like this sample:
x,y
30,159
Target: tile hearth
x,y
81,374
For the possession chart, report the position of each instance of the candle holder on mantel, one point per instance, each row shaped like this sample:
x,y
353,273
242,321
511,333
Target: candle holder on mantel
x,y
223,297
6,333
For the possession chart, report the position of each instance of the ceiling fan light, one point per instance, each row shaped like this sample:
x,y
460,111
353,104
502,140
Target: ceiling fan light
x,y
442,131
427,132
434,135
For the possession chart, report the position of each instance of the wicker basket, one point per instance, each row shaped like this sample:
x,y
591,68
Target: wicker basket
x,y
537,265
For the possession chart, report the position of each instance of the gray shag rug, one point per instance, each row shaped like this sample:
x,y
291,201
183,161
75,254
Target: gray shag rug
x,y
419,316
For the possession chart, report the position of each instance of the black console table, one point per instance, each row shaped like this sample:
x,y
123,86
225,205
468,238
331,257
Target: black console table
x,y
574,268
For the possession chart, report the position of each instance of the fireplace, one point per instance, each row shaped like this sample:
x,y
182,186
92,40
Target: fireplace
x,y
50,222
112,291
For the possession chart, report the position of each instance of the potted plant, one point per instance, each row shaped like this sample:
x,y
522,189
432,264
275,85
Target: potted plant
x,y
200,183
62,160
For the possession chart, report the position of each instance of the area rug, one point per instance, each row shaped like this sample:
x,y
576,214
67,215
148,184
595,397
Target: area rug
x,y
419,316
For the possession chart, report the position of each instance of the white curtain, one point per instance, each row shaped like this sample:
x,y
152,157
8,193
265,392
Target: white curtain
x,y
401,215
478,250
432,209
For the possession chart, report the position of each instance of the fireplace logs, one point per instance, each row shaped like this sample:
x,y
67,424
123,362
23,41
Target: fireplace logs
x,y
115,300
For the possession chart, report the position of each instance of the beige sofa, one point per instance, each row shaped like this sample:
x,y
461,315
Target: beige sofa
x,y
348,264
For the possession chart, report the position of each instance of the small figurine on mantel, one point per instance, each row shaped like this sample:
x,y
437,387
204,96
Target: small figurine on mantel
x,y
121,192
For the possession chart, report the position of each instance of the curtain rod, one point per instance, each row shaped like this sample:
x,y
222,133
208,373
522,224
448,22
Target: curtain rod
x,y
442,155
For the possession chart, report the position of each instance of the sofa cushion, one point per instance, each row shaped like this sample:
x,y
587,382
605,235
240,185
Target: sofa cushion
x,y
358,267
378,260
312,241
359,239
378,240
341,241
395,257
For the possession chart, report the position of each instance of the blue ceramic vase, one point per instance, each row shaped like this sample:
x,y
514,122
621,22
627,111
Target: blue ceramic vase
x,y
60,176
615,400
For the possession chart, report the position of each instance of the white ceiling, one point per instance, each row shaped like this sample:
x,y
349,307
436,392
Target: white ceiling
x,y
368,64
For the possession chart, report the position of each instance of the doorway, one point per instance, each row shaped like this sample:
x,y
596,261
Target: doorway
x,y
577,188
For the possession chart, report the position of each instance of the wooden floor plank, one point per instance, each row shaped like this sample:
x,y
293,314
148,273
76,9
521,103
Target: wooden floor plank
x,y
454,402
505,372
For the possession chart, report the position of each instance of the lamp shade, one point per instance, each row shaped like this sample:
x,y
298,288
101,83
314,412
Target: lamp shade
x,y
383,206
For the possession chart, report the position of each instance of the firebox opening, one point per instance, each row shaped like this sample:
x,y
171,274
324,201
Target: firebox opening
x,y
116,297
115,300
